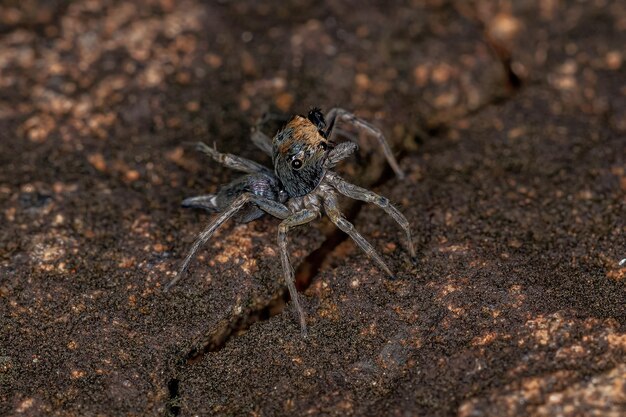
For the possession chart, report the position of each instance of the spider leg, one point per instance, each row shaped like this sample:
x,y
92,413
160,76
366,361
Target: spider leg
x,y
260,139
338,114
348,135
232,161
332,210
272,207
357,193
339,153
296,219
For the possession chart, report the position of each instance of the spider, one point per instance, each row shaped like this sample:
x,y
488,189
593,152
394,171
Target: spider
x,y
298,190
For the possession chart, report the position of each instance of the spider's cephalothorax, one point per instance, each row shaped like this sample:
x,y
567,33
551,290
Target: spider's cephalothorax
x,y
299,151
298,190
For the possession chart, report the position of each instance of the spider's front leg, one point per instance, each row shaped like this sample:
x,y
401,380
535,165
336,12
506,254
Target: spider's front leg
x,y
331,207
338,114
339,153
358,193
296,219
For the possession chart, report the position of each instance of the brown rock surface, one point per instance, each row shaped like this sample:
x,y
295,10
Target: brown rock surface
x,y
508,117
516,307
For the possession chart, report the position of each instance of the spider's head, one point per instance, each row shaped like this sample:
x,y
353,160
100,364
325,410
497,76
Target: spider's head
x,y
299,150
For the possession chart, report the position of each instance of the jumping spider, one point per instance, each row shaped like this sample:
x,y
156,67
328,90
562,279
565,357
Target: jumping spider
x,y
299,188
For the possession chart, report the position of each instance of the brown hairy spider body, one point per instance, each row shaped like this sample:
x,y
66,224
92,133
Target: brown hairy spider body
x,y
300,188
302,131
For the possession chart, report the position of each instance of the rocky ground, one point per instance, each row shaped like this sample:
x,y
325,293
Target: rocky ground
x,y
509,118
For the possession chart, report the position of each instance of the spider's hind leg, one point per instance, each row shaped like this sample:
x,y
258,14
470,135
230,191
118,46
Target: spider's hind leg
x,y
337,114
206,202
272,207
215,203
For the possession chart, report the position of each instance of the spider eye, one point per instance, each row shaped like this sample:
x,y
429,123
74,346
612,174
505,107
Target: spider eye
x,y
323,145
296,163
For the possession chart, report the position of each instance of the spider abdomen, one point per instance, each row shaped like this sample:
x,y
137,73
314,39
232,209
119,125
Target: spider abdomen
x,y
258,184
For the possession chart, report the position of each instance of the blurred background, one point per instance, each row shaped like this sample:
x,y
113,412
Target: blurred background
x,y
509,118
